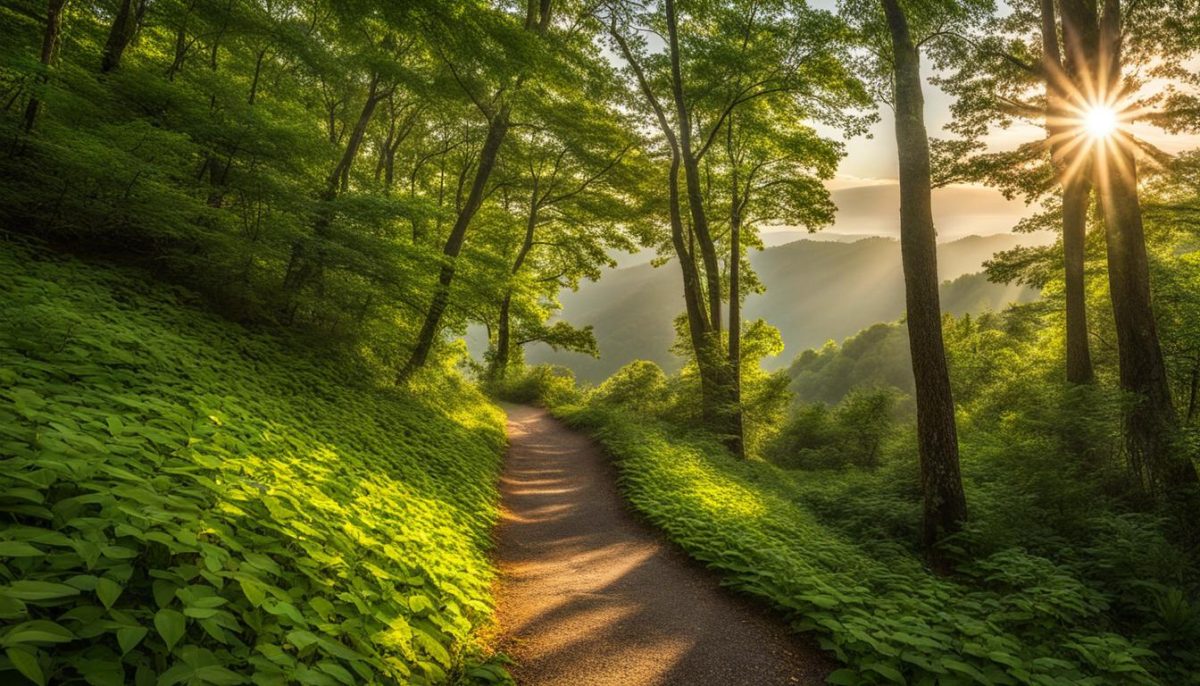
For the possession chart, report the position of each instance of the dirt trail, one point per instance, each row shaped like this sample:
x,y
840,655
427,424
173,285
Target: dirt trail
x,y
590,595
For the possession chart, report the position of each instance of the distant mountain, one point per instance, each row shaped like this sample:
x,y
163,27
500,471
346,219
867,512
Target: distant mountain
x,y
815,291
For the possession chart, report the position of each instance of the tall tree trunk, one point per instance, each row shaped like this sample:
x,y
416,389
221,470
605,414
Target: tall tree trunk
x,y
497,130
737,438
697,319
504,328
120,33
945,504
303,269
1076,194
50,39
537,21
691,171
1150,422
721,409
1067,158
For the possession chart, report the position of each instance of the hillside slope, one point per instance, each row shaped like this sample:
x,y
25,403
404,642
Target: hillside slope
x,y
815,291
186,501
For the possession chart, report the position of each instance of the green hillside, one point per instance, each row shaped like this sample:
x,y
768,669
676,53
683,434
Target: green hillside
x,y
188,501
815,291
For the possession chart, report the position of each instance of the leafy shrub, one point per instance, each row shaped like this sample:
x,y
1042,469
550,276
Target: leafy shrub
x,y
543,384
640,386
852,433
186,501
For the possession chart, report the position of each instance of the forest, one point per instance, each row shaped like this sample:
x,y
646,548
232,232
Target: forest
x,y
500,341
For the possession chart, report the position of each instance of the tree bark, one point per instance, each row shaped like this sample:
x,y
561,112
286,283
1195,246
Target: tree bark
x,y
1150,421
1076,194
721,407
120,33
737,439
945,504
497,130
691,171
1068,159
697,320
50,39
504,327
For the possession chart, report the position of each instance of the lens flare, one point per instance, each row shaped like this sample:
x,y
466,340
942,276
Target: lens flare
x,y
1100,121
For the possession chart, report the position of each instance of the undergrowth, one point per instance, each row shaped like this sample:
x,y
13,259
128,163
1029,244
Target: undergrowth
x,y
188,502
1011,617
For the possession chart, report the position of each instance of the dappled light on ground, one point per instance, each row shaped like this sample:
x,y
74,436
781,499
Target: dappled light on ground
x,y
589,595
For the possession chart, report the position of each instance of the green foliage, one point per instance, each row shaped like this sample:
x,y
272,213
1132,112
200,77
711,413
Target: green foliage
x,y
850,434
640,386
1013,617
543,384
187,501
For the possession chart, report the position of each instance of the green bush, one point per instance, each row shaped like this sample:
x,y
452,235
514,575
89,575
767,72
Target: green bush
x,y
186,501
543,384
640,386
851,433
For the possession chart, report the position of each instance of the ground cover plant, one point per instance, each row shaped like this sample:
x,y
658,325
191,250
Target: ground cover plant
x,y
189,502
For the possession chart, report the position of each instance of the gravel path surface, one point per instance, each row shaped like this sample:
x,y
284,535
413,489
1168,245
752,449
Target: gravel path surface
x,y
588,594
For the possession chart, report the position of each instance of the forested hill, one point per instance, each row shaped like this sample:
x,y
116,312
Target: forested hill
x,y
815,291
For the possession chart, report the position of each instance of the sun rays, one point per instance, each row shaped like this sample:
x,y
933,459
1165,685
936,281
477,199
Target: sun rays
x,y
1100,122
1090,130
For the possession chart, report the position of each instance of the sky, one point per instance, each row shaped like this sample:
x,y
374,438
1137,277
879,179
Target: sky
x,y
959,210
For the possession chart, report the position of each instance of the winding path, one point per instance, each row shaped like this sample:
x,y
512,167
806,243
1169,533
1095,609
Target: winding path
x,y
588,594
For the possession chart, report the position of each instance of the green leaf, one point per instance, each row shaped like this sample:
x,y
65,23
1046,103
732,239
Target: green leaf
x,y
419,603
37,631
27,664
108,591
38,590
301,639
337,671
19,549
844,677
171,625
129,637
432,646
254,591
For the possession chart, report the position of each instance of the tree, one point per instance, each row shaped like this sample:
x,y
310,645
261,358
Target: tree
x,y
496,108
50,40
896,35
1085,56
573,170
1151,420
716,61
124,26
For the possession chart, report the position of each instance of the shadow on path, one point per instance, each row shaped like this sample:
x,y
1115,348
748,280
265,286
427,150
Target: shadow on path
x,y
590,595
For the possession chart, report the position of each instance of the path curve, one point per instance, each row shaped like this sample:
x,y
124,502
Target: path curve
x,y
589,595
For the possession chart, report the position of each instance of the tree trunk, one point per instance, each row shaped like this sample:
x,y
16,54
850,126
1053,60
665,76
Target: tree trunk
x,y
1150,421
945,504
339,179
697,320
503,331
720,408
1076,194
691,171
736,442
119,35
50,38
303,269
497,130
1068,160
